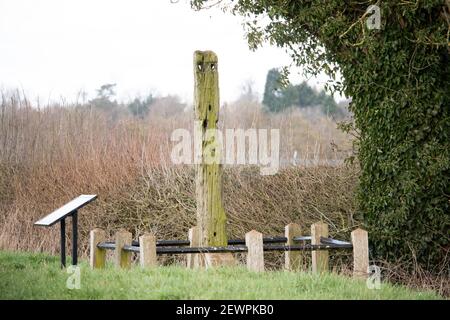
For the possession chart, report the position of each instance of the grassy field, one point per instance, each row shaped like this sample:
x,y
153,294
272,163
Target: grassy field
x,y
38,276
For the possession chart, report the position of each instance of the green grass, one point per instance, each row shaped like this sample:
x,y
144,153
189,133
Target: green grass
x,y
38,276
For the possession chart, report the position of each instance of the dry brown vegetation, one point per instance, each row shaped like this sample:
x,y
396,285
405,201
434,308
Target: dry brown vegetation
x,y
50,155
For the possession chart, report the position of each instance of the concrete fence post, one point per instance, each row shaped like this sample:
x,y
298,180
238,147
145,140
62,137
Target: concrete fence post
x,y
147,250
319,258
292,259
360,242
255,254
97,256
122,258
194,260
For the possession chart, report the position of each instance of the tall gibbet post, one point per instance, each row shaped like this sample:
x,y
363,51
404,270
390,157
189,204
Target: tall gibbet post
x,y
211,217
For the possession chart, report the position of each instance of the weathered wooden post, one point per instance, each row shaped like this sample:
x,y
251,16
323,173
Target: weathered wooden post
x,y
97,257
255,254
147,250
360,242
292,259
122,258
211,216
319,258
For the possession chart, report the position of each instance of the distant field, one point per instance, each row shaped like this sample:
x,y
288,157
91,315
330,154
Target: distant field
x,y
38,276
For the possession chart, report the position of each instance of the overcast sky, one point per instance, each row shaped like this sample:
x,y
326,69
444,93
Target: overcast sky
x,y
55,48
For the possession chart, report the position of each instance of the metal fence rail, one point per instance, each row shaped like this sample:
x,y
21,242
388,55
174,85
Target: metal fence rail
x,y
327,244
231,242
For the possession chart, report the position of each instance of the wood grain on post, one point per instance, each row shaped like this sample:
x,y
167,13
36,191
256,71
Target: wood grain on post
x,y
292,259
122,258
255,254
210,211
97,256
147,251
319,258
211,217
360,242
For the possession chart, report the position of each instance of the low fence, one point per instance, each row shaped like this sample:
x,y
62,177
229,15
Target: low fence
x,y
254,245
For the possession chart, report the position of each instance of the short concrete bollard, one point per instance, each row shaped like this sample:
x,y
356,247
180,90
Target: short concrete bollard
x,y
319,258
194,260
147,250
360,242
292,259
122,258
97,258
255,254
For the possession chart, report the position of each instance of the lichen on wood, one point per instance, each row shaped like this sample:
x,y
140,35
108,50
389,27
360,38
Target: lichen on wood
x,y
210,210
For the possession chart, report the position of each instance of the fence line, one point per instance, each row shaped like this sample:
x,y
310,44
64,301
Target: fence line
x,y
170,243
254,245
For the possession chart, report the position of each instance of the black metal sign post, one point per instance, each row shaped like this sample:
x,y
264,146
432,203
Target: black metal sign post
x,y
75,238
63,243
60,215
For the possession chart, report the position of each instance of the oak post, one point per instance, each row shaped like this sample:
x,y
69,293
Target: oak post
x,y
211,218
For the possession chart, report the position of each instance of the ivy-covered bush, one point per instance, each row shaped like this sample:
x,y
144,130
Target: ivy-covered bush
x,y
398,78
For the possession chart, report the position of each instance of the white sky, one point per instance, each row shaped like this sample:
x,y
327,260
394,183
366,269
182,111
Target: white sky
x,y
55,48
